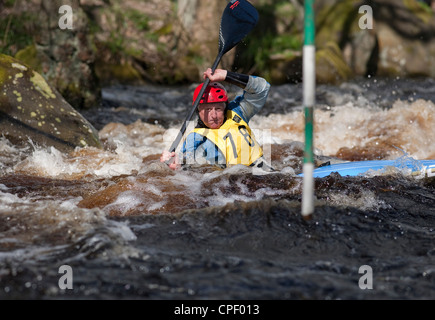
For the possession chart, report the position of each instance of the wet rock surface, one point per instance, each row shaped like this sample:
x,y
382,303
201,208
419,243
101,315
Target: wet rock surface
x,y
31,111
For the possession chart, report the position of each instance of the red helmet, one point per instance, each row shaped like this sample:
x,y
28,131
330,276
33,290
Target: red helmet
x,y
215,92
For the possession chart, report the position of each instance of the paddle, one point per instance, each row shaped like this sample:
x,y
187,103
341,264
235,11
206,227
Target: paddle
x,y
238,19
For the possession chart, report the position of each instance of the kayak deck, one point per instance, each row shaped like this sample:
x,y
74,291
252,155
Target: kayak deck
x,y
358,168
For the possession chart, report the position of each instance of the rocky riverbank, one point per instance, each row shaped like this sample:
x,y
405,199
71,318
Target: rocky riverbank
x,y
172,42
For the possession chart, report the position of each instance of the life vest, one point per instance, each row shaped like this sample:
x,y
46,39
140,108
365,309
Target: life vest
x,y
234,139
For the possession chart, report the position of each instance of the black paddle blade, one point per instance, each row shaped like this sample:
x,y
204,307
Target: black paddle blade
x,y
238,19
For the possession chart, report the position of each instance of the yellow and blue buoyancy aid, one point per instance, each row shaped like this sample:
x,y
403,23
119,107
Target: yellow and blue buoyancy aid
x,y
234,139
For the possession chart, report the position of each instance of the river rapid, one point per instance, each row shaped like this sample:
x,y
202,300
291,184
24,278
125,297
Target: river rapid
x,y
130,228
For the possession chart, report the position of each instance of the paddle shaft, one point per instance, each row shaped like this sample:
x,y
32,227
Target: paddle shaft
x,y
237,21
195,105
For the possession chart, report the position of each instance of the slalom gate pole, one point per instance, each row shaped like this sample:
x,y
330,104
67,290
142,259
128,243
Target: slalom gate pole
x,y
309,88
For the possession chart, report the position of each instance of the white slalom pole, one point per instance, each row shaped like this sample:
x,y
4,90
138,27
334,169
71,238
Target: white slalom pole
x,y
309,88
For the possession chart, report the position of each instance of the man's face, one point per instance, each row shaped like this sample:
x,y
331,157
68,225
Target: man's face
x,y
212,114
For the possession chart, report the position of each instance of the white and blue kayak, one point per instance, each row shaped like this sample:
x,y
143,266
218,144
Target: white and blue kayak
x,y
420,168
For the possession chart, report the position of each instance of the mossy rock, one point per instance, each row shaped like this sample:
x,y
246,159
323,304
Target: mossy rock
x,y
285,68
109,73
330,65
32,110
336,22
30,56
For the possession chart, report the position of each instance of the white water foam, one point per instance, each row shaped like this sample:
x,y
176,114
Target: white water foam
x,y
407,125
366,200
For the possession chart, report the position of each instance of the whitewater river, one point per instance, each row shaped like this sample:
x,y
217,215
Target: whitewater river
x,y
127,227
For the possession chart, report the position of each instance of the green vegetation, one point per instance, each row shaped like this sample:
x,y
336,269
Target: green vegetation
x,y
420,9
261,49
115,43
140,21
29,55
265,43
9,3
16,33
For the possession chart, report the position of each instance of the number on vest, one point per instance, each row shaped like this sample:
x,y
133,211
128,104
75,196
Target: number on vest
x,y
246,135
228,135
244,132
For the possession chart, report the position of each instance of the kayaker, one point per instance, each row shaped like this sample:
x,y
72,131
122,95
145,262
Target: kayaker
x,y
222,135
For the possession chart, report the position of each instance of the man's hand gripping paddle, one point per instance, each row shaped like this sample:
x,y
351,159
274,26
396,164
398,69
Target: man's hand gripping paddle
x,y
238,19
